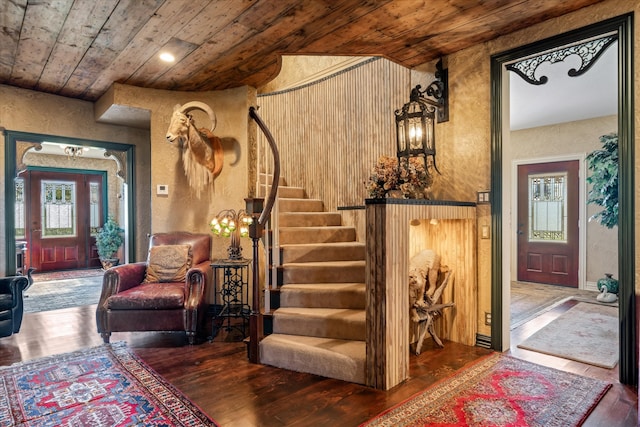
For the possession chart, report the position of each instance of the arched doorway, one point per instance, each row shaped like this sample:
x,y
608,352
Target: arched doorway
x,y
18,144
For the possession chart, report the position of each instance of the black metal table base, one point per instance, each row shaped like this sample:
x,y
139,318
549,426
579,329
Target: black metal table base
x,y
231,308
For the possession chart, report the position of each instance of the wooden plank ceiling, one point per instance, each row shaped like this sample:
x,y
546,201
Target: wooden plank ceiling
x,y
78,48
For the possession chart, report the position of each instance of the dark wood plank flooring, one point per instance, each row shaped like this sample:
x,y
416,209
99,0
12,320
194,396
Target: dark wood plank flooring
x,y
218,377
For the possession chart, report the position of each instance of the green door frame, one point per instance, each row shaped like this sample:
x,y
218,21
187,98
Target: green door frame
x,y
12,138
623,26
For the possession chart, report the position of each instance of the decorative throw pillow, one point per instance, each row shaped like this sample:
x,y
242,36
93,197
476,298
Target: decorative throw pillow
x,y
168,263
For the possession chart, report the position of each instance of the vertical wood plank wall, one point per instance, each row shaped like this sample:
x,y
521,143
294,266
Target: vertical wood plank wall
x,y
331,132
390,244
455,241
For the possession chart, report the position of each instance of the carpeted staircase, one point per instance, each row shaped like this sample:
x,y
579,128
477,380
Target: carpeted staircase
x,y
319,325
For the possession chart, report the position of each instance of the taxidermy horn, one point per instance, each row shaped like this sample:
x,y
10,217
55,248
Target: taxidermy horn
x,y
201,106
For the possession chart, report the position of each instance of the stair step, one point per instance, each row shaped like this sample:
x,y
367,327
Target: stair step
x,y
323,295
339,323
319,325
323,272
291,192
326,234
284,192
341,359
313,252
268,178
300,205
309,219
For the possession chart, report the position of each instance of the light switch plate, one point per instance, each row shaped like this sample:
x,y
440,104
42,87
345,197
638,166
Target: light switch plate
x,y
162,190
483,197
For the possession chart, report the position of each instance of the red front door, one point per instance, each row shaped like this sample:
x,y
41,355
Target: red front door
x,y
548,238
64,210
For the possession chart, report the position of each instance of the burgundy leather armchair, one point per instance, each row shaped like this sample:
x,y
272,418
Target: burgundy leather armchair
x,y
134,298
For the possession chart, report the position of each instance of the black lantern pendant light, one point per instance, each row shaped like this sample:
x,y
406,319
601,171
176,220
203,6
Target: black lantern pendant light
x,y
415,121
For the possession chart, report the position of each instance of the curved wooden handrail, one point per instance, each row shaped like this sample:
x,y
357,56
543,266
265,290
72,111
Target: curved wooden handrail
x,y
266,212
256,326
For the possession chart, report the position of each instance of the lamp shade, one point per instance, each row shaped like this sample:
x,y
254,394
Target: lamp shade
x,y
229,223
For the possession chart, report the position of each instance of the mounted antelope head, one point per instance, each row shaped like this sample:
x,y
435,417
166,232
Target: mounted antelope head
x,y
202,154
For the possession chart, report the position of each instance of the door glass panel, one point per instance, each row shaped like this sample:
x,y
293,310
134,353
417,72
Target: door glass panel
x,y
94,207
19,208
58,208
547,208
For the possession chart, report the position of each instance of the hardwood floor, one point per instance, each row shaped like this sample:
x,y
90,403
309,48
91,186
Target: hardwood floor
x,y
218,377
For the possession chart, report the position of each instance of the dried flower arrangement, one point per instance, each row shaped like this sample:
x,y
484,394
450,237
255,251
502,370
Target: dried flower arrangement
x,y
412,180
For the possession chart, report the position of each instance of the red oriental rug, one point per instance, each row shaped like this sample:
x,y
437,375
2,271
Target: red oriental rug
x,y
101,386
500,391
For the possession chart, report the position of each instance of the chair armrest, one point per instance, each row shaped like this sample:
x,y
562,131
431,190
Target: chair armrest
x,y
14,286
198,278
7,286
123,277
116,279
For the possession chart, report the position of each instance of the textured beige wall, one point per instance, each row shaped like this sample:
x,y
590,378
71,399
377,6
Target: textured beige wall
x,y
561,139
580,137
297,69
35,112
182,209
483,213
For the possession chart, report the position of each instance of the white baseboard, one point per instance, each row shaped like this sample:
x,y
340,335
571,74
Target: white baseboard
x,y
591,286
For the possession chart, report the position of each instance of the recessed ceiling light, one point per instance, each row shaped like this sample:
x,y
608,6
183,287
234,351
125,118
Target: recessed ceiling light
x,y
167,57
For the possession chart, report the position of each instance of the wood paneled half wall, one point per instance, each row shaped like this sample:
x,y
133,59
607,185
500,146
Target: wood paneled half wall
x,y
396,230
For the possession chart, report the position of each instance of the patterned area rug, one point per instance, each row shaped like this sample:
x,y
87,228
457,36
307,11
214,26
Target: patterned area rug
x,y
500,391
59,294
586,333
102,386
530,300
64,275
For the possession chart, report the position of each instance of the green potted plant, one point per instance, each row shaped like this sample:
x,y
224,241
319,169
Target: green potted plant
x,y
603,165
108,241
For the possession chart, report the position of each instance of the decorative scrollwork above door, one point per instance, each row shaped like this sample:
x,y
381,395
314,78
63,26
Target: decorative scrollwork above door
x,y
588,51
